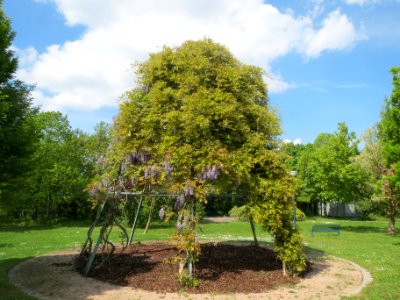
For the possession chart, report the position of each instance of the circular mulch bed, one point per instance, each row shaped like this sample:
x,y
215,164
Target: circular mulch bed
x,y
222,268
53,276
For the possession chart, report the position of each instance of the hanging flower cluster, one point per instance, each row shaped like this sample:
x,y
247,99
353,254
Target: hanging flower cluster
x,y
212,172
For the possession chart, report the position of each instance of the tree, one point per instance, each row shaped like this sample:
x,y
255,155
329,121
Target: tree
x,y
17,133
370,160
328,171
199,122
62,169
99,141
389,129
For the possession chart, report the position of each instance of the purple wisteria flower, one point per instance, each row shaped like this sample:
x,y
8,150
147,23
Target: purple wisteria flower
x,y
105,182
188,190
151,172
101,161
179,202
211,172
168,168
161,213
139,157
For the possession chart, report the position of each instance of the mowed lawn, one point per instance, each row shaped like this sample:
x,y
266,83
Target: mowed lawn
x,y
364,242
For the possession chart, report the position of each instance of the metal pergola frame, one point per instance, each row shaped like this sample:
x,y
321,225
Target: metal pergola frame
x,y
142,195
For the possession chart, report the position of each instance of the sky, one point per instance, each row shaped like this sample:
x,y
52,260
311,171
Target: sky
x,y
325,61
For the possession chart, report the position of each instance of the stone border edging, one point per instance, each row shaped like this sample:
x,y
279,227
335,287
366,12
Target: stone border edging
x,y
367,277
50,276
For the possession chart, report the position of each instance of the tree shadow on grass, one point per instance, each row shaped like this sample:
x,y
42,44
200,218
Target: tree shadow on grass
x,y
24,227
158,225
363,229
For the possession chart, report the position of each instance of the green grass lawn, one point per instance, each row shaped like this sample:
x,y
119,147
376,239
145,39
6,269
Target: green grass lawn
x,y
364,242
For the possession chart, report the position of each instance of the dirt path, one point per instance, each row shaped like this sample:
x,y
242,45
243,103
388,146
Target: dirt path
x,y
51,276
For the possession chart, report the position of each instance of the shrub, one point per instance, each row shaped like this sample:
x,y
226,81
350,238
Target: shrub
x,y
300,215
240,212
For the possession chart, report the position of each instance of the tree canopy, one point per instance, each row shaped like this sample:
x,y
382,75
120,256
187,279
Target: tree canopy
x,y
199,112
389,129
199,122
17,131
328,171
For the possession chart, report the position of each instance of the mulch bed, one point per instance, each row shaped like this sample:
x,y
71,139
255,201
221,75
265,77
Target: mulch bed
x,y
222,268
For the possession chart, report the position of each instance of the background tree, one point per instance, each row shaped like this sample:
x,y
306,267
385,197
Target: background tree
x,y
17,133
371,161
327,169
197,123
99,141
389,133
62,169
293,153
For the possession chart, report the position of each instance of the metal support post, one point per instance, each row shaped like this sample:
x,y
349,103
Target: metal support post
x,y
136,218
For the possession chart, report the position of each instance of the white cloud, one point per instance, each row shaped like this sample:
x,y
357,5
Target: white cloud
x,y
277,84
337,33
93,71
361,2
26,56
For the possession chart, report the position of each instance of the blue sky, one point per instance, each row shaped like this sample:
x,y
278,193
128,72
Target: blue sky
x,y
327,61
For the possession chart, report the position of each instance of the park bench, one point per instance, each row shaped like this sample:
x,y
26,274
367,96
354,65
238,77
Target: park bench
x,y
325,227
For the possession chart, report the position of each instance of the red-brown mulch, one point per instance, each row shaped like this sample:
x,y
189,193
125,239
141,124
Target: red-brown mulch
x,y
222,268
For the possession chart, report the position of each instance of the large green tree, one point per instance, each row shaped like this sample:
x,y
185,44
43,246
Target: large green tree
x,y
62,167
389,133
199,122
17,133
327,169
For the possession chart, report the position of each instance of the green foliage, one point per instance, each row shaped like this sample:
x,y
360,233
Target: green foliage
x,y
371,162
199,123
293,153
240,212
97,145
300,215
8,61
327,170
276,217
371,157
389,128
60,172
17,130
199,211
291,254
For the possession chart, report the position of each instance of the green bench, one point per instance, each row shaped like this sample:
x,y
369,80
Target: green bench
x,y
325,227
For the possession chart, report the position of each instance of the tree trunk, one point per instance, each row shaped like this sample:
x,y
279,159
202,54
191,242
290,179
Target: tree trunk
x,y
389,194
391,229
190,263
34,214
253,229
48,207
